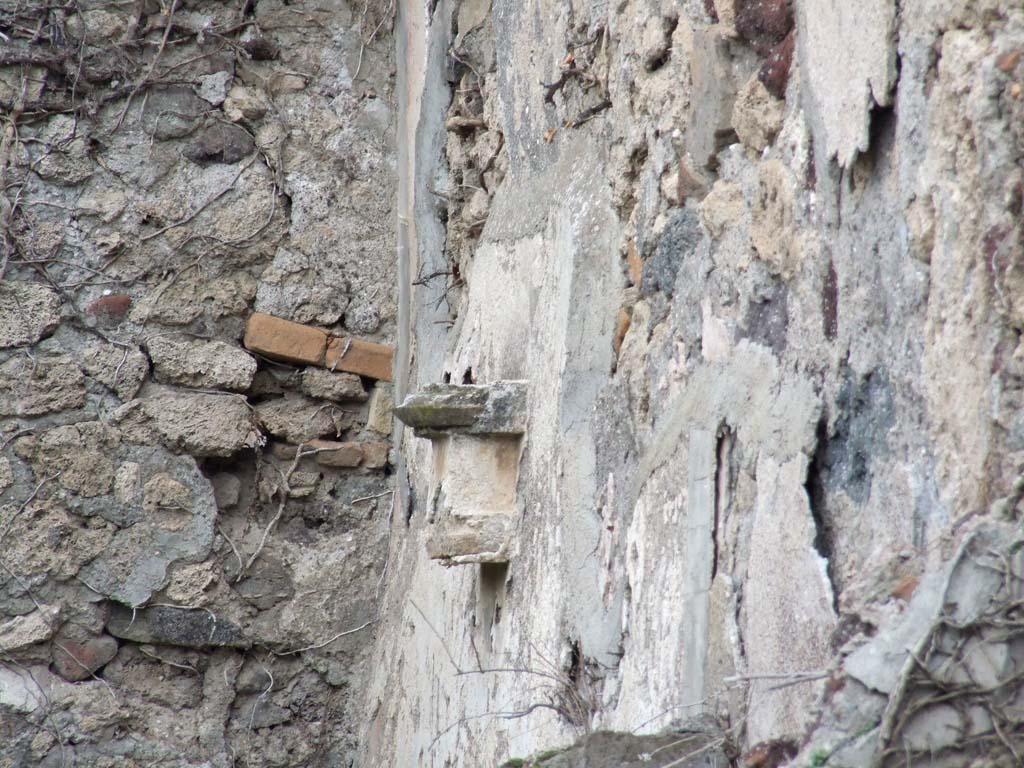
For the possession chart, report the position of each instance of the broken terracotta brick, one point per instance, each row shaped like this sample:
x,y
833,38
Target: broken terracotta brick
x,y
1008,61
622,324
75,661
284,340
904,588
362,357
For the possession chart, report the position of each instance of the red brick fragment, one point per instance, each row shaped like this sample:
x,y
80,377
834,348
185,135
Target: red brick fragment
x,y
284,340
622,323
362,357
905,587
110,310
74,660
636,264
1007,62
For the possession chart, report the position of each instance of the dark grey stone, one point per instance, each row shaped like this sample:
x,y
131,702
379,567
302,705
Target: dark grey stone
x,y
768,319
679,240
267,586
172,112
220,143
256,712
866,411
174,626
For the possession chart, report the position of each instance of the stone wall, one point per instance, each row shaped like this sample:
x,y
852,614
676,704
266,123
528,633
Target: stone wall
x,y
760,264
192,528
705,316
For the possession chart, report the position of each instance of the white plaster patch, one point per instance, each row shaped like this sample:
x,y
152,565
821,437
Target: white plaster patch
x,y
846,85
787,612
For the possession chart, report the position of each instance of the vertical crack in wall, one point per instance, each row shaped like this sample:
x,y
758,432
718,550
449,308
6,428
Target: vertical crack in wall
x,y
722,484
817,499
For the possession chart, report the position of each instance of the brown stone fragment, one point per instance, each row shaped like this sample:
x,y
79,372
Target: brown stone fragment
x,y
622,324
375,455
905,587
363,357
771,754
460,124
774,72
281,451
379,418
636,264
690,184
763,23
335,454
110,310
261,48
74,660
1008,61
284,340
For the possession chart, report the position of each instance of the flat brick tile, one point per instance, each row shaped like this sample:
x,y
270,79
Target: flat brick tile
x,y
284,340
362,357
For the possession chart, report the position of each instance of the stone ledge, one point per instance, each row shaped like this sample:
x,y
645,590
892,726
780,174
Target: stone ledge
x,y
474,409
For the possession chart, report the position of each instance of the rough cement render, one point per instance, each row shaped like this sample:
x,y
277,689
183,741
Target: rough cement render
x,y
178,586
765,300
